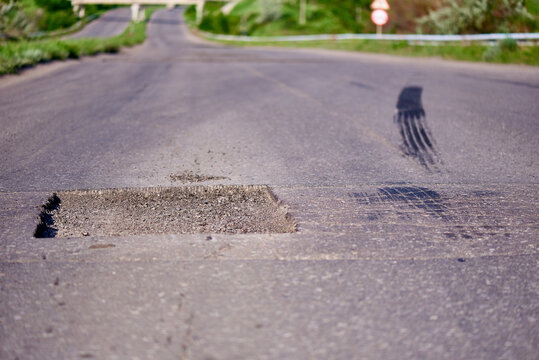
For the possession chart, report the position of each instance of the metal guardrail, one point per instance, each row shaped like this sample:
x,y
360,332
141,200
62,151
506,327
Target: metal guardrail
x,y
412,38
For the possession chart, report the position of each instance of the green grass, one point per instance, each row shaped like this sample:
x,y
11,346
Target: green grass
x,y
29,5
21,54
505,52
533,6
331,17
250,18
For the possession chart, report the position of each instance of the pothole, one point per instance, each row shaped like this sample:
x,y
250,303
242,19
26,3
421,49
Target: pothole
x,y
176,210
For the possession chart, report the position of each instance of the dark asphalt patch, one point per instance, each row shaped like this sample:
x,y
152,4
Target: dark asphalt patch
x,y
179,210
417,140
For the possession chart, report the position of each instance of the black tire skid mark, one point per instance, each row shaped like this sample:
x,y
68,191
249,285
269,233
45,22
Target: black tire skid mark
x,y
417,140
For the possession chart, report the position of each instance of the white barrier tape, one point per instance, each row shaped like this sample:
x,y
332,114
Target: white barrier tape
x,y
475,37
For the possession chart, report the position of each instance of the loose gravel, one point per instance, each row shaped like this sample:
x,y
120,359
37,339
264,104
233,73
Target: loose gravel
x,y
178,210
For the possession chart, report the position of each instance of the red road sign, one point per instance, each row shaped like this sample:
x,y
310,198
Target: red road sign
x,y
379,17
380,5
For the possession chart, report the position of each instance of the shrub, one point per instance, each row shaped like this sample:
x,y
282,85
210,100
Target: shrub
x,y
270,10
14,22
57,20
32,55
54,5
476,16
509,44
502,50
492,53
71,48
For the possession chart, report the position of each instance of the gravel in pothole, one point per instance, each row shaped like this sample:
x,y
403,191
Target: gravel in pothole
x,y
178,210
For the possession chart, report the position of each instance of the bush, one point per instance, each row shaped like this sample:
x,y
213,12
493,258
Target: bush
x,y
501,51
270,10
492,53
477,16
217,23
509,44
54,5
32,55
71,48
57,20
57,14
14,23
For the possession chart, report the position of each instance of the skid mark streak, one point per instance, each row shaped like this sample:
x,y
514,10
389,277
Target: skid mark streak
x,y
466,217
417,141
415,197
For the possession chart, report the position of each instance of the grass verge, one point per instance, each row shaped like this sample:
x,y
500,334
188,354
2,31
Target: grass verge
x,y
15,56
503,52
78,26
327,17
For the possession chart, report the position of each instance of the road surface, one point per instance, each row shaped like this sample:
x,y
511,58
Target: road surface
x,y
413,184
112,23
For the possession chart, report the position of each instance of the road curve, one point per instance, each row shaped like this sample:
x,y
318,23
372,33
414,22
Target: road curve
x,y
112,23
413,183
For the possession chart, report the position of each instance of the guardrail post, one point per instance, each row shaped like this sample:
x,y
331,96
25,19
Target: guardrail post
x,y
135,12
78,10
200,11
142,13
303,12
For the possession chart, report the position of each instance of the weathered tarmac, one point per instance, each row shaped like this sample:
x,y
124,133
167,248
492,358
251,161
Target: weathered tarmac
x,y
112,23
412,185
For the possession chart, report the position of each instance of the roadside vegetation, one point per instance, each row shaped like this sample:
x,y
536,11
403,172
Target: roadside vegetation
x,y
281,17
15,55
503,52
26,19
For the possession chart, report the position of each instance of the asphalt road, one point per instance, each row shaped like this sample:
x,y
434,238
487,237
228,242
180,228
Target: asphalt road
x,y
413,183
111,23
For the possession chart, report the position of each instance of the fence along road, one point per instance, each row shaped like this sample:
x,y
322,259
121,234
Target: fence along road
x,y
411,38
